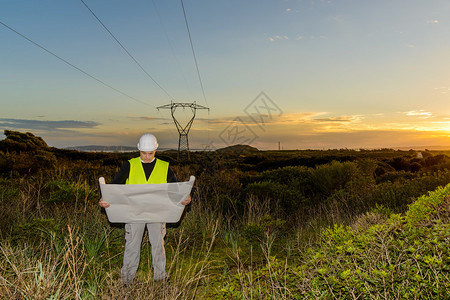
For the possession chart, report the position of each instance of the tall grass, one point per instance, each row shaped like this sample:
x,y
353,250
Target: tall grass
x,y
74,271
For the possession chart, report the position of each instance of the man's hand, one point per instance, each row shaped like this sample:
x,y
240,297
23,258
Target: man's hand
x,y
184,202
103,203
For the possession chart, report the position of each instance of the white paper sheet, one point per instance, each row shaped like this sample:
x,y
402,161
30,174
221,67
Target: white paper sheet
x,y
145,203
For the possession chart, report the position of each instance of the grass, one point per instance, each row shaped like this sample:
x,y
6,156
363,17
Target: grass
x,y
74,270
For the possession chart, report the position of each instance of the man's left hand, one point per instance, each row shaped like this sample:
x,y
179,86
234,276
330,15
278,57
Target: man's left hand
x,y
186,201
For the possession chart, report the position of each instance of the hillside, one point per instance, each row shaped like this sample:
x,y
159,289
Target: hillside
x,y
238,149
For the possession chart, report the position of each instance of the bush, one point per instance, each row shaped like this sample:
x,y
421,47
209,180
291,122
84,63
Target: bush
x,y
435,204
395,176
284,197
27,163
6,164
399,194
257,233
17,142
61,191
435,160
35,231
402,257
400,164
332,177
390,257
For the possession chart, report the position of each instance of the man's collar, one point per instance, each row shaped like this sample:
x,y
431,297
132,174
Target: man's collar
x,y
149,162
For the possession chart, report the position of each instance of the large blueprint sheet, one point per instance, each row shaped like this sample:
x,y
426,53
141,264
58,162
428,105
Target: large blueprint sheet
x,y
145,203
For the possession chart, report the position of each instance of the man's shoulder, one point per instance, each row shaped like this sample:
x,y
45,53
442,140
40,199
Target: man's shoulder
x,y
162,162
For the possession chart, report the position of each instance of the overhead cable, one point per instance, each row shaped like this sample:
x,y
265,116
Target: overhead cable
x,y
170,43
72,65
193,52
129,54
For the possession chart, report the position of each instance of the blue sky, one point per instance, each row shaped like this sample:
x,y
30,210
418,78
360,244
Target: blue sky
x,y
318,74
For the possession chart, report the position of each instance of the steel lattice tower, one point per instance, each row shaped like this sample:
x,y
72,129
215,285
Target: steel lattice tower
x,y
183,131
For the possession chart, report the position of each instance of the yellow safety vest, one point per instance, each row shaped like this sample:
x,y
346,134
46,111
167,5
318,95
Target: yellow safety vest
x,y
137,174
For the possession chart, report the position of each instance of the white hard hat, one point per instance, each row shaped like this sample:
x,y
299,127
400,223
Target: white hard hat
x,y
147,142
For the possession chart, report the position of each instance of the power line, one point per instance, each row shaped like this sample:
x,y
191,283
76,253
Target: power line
x,y
170,45
193,52
129,54
70,64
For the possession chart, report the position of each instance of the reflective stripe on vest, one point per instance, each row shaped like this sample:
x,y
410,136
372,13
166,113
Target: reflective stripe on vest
x,y
137,173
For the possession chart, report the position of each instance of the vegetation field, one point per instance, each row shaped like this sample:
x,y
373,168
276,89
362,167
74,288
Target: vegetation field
x,y
306,224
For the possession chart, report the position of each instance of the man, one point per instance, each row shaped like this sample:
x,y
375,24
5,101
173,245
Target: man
x,y
145,169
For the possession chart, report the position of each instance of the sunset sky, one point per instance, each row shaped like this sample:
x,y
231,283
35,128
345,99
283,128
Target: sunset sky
x,y
309,74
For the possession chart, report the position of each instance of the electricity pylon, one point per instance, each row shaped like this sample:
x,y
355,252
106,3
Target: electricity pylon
x,y
183,131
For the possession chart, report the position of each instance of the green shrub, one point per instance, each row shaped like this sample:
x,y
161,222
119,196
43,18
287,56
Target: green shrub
x,y
391,257
396,176
34,231
253,233
286,197
428,205
17,141
27,163
47,160
257,233
400,164
6,164
62,191
403,257
332,177
399,194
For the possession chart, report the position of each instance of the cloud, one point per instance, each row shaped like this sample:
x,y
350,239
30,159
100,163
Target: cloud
x,y
442,89
45,125
315,119
410,46
296,118
307,122
420,113
301,37
433,21
278,37
329,130
357,139
148,118
338,119
283,119
339,19
292,11
226,120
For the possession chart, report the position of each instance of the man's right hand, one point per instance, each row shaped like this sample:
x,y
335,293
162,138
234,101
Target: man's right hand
x,y
103,203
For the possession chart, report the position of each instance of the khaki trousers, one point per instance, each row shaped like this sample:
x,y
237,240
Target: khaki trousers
x,y
133,241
